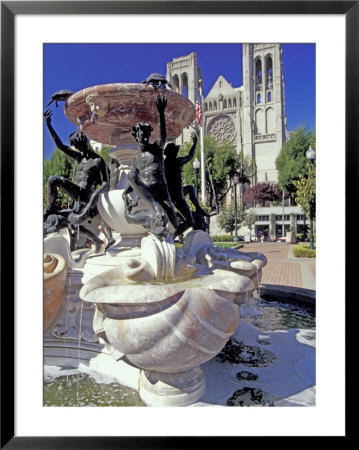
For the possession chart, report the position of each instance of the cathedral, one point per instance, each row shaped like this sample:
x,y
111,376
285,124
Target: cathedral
x,y
252,117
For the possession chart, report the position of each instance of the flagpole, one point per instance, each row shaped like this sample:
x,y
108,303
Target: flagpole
x,y
203,159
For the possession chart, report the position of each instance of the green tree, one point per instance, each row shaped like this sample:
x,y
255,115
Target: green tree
x,y
245,172
249,220
61,165
305,191
105,153
223,163
292,160
226,218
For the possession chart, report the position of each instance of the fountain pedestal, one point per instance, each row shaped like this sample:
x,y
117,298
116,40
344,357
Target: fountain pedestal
x,y
172,389
167,315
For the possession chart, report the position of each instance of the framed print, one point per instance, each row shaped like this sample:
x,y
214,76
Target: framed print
x,y
68,40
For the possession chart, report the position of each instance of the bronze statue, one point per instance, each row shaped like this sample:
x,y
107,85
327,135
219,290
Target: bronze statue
x,y
148,181
114,172
59,96
91,172
156,80
174,176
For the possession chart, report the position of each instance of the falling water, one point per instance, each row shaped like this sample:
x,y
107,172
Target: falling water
x,y
78,355
258,288
225,255
63,332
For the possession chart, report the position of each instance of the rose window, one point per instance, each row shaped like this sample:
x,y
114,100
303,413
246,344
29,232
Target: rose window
x,y
222,128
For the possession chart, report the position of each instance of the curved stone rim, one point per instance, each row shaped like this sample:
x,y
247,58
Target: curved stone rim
x,y
123,105
290,294
127,293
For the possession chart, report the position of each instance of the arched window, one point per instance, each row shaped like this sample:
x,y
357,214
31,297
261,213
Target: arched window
x,y
206,106
269,97
224,104
269,75
220,84
259,122
259,98
271,121
234,103
210,106
215,105
176,83
184,85
229,103
258,72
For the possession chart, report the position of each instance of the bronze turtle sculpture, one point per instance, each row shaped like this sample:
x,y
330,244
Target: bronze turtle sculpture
x,y
59,96
156,80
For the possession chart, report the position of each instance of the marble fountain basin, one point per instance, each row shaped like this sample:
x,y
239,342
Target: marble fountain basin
x,y
167,326
108,112
170,310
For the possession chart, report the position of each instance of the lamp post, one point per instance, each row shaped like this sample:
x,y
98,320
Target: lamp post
x,y
310,154
196,165
235,182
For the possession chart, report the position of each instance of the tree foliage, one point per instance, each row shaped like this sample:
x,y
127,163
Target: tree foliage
x,y
226,218
262,192
292,160
246,168
250,219
223,163
61,165
104,153
306,193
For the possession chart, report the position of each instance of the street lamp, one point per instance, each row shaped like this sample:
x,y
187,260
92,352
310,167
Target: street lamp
x,y
235,182
196,165
310,154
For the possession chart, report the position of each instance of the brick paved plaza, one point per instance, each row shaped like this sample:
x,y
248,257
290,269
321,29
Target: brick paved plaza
x,y
282,268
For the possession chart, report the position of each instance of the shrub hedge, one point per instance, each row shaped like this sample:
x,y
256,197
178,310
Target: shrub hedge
x,y
303,251
224,238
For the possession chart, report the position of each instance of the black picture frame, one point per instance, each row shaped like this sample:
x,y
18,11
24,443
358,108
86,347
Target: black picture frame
x,y
9,9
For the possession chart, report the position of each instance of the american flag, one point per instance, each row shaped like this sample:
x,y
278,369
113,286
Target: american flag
x,y
199,110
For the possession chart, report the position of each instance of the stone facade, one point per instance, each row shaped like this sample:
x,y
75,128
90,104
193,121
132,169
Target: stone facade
x,y
184,74
251,116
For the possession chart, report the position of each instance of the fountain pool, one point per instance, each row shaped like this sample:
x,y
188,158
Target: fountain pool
x,y
269,361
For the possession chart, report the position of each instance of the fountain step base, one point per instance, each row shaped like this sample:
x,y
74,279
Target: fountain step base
x,y
172,389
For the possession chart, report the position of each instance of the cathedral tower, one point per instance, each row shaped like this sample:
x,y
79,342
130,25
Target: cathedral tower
x,y
263,113
183,73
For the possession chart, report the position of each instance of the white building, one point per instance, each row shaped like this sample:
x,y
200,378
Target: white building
x,y
251,116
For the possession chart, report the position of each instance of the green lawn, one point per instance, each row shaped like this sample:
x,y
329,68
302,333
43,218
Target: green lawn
x,y
218,244
227,244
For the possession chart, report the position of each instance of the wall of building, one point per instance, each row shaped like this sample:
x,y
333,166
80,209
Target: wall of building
x,y
251,117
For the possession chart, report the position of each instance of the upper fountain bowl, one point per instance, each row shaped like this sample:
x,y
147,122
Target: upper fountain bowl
x,y
107,112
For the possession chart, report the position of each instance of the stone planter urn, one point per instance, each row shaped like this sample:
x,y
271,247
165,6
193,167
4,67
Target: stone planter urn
x,y
54,287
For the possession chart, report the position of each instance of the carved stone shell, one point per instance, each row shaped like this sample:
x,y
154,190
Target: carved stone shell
x,y
169,327
54,287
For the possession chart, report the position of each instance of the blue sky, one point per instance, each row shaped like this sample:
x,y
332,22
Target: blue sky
x,y
77,66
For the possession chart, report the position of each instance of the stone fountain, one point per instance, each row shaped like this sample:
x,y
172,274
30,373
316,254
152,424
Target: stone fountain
x,y
152,306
